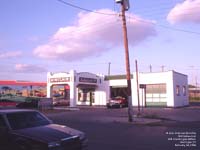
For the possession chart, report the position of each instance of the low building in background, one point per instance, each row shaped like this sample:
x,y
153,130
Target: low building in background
x,y
194,93
165,89
15,92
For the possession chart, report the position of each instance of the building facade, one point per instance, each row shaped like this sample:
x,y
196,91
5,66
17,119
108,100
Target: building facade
x,y
166,89
84,88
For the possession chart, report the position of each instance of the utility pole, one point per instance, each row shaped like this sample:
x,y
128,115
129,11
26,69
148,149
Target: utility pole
x,y
138,96
150,67
109,68
162,67
125,7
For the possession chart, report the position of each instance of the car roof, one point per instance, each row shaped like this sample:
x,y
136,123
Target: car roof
x,y
6,111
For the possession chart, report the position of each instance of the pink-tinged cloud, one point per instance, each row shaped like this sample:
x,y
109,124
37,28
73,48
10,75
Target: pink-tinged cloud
x,y
27,68
10,54
186,12
92,34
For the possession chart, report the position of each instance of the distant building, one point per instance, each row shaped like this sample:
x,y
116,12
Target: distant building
x,y
23,88
166,89
194,93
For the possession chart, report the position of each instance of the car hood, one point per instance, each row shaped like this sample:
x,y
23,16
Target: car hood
x,y
48,133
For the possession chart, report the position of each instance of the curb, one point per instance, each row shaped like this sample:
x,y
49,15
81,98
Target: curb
x,y
66,108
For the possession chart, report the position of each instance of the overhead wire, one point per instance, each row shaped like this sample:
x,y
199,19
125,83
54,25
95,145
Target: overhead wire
x,y
163,26
85,9
156,24
166,27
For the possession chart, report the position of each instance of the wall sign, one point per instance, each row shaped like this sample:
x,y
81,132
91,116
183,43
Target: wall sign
x,y
61,79
88,80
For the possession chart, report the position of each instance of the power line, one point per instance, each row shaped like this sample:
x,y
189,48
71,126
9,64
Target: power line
x,y
89,10
114,14
177,29
85,9
166,27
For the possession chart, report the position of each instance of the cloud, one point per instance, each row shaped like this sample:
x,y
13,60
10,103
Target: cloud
x,y
188,11
27,68
92,34
10,54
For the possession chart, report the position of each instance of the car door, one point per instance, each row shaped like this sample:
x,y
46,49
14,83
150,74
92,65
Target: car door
x,y
3,134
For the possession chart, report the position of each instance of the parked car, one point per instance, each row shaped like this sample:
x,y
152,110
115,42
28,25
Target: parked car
x,y
118,102
22,129
5,102
60,102
40,95
28,104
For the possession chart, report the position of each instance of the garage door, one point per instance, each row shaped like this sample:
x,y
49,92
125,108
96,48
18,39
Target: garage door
x,y
156,95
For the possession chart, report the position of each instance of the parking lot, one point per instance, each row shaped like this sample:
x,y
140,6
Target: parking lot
x,y
109,129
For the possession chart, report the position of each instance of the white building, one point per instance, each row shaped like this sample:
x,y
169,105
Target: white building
x,y
84,88
168,89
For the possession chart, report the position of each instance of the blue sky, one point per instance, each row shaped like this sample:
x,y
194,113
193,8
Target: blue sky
x,y
40,36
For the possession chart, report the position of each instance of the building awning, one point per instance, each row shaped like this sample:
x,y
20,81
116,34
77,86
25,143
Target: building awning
x,y
86,86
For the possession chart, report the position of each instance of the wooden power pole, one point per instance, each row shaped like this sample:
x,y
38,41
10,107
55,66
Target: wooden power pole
x,y
125,7
138,92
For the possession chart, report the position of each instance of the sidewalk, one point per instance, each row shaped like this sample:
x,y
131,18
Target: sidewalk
x,y
151,115
184,114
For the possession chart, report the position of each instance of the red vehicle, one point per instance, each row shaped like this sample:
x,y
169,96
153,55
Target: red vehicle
x,y
118,102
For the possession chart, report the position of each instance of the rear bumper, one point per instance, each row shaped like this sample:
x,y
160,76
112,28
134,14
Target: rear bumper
x,y
111,105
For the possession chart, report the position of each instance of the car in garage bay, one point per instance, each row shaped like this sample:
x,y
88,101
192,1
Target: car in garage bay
x,y
117,102
22,129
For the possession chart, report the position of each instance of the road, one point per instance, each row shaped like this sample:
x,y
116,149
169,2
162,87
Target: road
x,y
108,129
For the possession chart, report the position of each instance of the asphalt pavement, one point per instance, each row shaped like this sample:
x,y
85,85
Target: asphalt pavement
x,y
153,129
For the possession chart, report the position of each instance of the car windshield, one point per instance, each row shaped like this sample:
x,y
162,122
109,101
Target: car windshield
x,y
23,120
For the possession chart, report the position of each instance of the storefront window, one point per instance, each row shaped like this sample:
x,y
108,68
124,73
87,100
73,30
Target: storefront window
x,y
86,95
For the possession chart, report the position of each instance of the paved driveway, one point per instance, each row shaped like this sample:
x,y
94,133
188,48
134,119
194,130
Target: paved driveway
x,y
108,129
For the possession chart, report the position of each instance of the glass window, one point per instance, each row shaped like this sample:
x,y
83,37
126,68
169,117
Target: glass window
x,y
155,88
184,90
23,120
178,90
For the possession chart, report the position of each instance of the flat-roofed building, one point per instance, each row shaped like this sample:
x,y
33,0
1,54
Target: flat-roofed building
x,y
165,89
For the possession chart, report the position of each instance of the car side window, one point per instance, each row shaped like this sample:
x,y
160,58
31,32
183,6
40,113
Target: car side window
x,y
2,121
